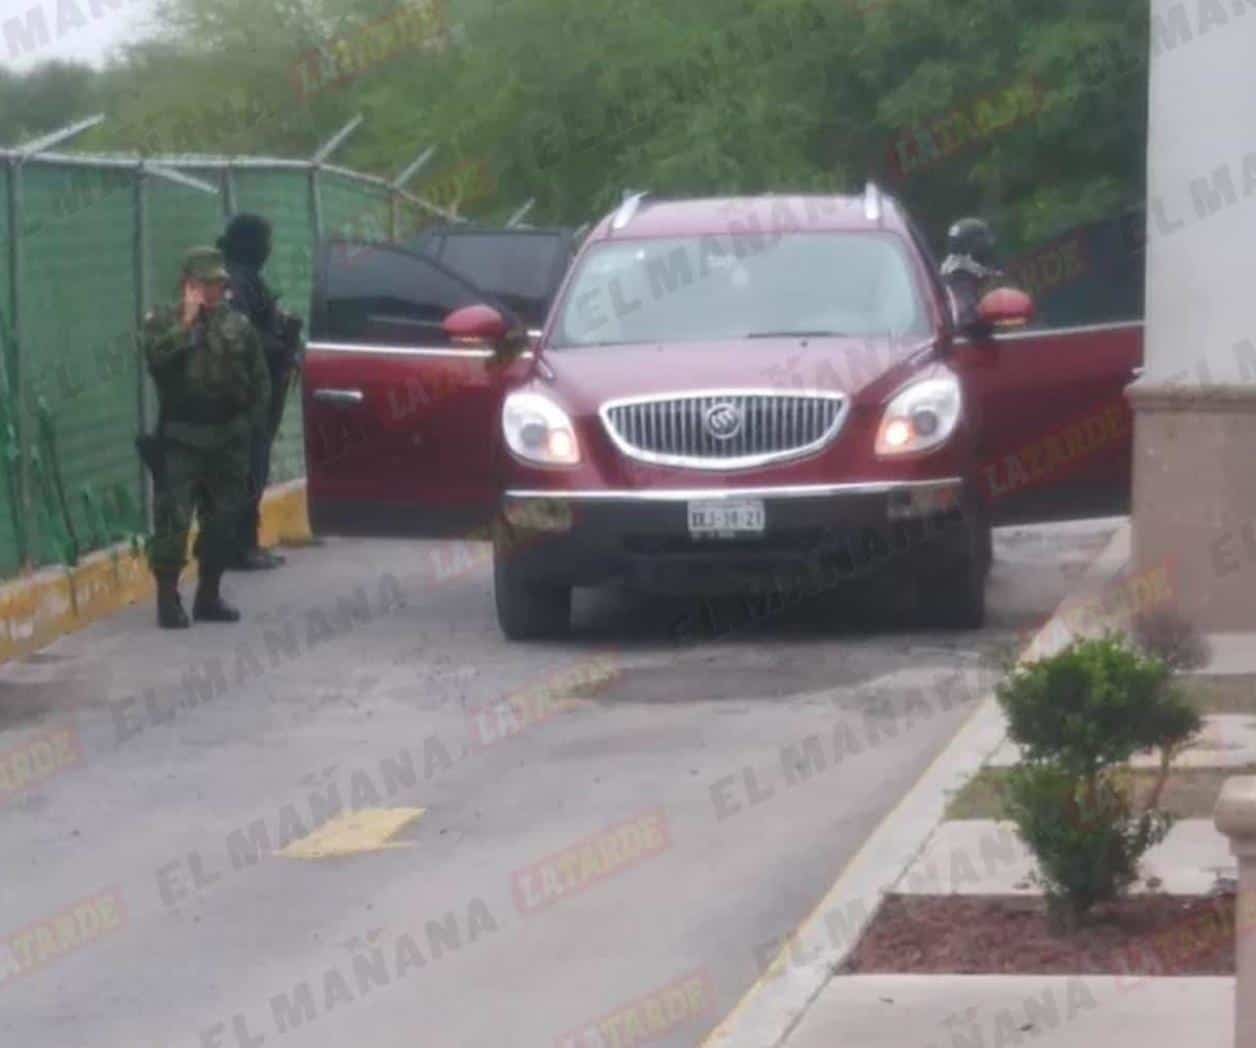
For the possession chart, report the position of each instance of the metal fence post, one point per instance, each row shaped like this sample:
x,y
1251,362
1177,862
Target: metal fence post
x,y
143,299
316,207
17,387
228,192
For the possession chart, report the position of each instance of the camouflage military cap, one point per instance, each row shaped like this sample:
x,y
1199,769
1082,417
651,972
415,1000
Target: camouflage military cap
x,y
204,263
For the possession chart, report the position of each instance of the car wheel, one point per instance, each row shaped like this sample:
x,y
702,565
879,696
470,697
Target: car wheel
x,y
953,593
526,609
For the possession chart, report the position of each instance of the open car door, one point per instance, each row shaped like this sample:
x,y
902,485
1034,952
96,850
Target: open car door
x,y
400,422
1055,429
1056,432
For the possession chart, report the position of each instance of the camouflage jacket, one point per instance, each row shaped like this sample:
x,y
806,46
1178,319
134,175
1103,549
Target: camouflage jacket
x,y
252,296
212,381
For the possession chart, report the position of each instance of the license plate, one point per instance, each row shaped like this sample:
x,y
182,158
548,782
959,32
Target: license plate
x,y
727,518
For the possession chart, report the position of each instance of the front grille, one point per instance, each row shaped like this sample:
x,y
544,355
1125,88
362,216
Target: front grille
x,y
697,429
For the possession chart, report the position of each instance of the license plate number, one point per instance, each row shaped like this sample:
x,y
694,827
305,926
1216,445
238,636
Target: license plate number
x,y
727,519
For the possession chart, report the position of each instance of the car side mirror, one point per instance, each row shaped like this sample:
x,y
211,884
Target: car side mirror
x,y
476,324
1005,308
484,325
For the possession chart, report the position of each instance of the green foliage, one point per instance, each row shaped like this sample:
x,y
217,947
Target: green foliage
x,y
1088,842
1078,716
570,101
1093,705
46,98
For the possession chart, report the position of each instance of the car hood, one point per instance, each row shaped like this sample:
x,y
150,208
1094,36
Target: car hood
x,y
857,367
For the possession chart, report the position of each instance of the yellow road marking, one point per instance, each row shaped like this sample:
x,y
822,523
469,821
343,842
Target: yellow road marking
x,y
353,833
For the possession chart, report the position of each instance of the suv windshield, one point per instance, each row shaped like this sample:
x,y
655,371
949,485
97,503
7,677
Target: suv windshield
x,y
744,286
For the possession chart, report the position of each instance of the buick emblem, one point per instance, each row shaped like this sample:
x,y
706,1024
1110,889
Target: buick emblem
x,y
723,421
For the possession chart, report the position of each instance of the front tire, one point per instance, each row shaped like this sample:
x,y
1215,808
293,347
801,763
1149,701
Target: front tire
x,y
952,589
527,609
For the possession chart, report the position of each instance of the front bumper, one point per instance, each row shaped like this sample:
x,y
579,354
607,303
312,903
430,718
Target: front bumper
x,y
641,539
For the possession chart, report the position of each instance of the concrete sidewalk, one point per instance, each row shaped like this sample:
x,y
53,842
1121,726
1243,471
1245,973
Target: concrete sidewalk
x,y
985,857
1117,1012
791,1007
924,1011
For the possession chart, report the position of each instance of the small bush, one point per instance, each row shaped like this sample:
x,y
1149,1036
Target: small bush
x,y
1088,844
1078,716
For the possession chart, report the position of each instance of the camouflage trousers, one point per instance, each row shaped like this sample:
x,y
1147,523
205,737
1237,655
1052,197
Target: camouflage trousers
x,y
213,484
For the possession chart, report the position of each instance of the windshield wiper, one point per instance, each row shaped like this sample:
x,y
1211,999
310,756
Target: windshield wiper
x,y
798,334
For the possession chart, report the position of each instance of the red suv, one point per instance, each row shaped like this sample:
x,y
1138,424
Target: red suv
x,y
727,395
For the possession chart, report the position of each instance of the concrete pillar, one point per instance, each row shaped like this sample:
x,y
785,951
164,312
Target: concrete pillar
x,y
1236,818
1195,405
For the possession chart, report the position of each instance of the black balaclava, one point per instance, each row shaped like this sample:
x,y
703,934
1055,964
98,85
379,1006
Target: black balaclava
x,y
246,241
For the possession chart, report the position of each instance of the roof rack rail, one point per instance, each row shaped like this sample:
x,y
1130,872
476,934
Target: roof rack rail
x,y
631,202
874,206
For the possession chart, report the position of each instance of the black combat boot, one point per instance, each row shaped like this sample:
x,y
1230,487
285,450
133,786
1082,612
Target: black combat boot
x,y
170,613
257,560
209,605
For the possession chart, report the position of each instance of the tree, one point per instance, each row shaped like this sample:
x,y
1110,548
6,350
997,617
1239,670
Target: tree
x,y
571,101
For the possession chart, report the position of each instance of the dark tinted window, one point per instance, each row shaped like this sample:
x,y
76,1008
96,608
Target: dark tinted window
x,y
1090,274
520,268
380,294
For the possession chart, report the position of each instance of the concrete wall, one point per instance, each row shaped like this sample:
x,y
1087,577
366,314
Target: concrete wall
x,y
1201,264
1195,407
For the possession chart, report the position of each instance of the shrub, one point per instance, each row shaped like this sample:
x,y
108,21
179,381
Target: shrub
x,y
1078,716
1087,842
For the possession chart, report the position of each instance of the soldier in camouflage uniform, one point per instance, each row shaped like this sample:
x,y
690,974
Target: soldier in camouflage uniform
x,y
214,390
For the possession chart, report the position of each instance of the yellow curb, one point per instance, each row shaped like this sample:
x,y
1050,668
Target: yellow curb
x,y
285,516
49,603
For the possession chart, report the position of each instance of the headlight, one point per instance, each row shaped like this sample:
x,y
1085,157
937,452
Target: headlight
x,y
538,430
921,417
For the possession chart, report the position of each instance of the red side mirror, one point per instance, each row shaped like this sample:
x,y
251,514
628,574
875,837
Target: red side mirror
x,y
1005,307
477,324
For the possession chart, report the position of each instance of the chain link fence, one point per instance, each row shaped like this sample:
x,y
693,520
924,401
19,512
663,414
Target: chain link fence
x,y
90,244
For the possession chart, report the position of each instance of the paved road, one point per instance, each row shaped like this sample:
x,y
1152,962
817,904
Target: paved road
x,y
618,828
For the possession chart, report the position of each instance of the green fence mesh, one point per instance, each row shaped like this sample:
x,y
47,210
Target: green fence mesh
x,y
354,210
80,301
412,220
179,217
8,532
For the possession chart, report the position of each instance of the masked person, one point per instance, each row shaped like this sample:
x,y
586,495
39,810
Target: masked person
x,y
968,269
213,389
246,246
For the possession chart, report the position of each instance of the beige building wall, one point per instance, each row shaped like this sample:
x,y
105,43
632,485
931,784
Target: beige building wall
x,y
1195,405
